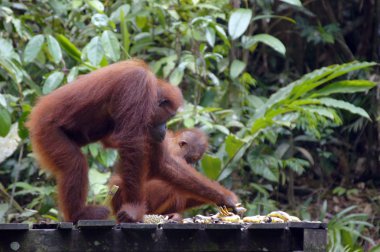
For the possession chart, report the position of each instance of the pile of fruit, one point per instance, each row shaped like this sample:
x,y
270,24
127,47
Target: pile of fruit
x,y
224,216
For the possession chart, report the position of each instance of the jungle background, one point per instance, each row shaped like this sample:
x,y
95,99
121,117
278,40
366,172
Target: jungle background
x,y
286,90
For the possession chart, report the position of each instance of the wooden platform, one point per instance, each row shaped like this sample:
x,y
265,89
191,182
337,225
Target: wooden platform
x,y
107,236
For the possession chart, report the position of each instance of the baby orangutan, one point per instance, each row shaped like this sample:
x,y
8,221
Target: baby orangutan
x,y
161,196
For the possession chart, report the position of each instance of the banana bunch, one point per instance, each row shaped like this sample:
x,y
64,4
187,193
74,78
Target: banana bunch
x,y
222,216
273,217
225,216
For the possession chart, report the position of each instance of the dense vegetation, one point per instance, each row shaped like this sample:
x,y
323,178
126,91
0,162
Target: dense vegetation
x,y
290,113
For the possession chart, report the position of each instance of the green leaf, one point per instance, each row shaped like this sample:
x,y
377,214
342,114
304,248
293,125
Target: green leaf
x,y
22,131
75,4
28,80
99,20
344,105
54,48
3,101
297,165
322,111
69,47
160,14
95,51
176,76
52,82
375,248
265,172
211,166
345,86
141,21
96,5
225,173
120,12
6,48
209,6
19,27
33,48
306,154
222,129
125,35
237,67
174,14
324,75
269,16
238,22
97,180
271,174
222,34
281,150
260,124
202,21
170,62
72,74
349,67
94,149
265,166
189,122
111,45
301,102
26,186
5,122
210,36
213,78
15,72
308,82
255,101
259,188
293,2
233,145
267,39
247,80
3,210
108,157
59,7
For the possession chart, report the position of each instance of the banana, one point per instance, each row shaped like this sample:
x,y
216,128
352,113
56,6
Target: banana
x,y
276,220
255,219
280,214
188,221
203,219
294,219
231,219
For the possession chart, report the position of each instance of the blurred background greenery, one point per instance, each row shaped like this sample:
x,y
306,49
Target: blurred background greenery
x,y
286,91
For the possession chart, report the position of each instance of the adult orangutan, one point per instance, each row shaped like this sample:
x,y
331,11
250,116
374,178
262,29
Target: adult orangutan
x,y
123,104
161,196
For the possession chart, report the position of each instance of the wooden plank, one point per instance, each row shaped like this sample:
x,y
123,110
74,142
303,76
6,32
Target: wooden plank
x,y
65,225
14,226
104,236
96,224
315,240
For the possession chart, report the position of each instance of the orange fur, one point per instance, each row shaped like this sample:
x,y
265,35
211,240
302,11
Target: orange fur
x,y
117,104
161,196
123,105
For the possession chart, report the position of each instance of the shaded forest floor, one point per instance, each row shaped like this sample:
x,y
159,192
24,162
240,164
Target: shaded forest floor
x,y
365,198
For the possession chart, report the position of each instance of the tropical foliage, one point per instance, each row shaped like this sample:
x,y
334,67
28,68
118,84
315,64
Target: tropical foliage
x,y
274,123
